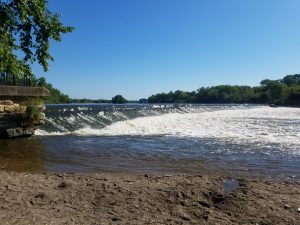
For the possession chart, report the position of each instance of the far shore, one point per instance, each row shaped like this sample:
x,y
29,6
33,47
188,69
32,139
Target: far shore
x,y
171,103
124,198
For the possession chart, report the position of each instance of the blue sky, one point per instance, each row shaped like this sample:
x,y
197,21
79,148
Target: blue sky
x,y
141,47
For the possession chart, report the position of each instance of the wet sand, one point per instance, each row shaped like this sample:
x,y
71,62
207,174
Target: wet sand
x,y
122,198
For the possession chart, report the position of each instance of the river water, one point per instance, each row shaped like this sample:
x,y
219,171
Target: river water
x,y
235,140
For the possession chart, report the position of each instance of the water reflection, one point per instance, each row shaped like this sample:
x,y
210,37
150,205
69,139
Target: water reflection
x,y
130,154
25,154
156,154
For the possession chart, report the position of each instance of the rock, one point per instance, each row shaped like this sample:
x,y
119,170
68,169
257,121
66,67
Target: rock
x,y
12,117
14,108
8,102
184,216
22,108
41,108
41,120
298,210
19,132
287,207
8,109
179,194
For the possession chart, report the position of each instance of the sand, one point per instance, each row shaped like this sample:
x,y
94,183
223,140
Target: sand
x,y
122,198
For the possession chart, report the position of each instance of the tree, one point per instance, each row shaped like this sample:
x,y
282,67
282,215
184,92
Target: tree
x,y
291,79
26,28
181,96
285,91
143,101
56,96
118,99
265,82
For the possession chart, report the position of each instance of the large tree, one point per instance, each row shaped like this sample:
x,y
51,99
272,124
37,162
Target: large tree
x,y
119,99
26,28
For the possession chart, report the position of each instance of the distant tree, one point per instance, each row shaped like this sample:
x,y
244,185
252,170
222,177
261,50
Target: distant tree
x,y
181,96
56,97
143,100
294,99
265,82
152,99
281,92
118,99
26,28
291,80
84,100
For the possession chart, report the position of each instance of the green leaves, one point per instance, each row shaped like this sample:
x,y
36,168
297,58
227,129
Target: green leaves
x,y
285,91
118,99
26,28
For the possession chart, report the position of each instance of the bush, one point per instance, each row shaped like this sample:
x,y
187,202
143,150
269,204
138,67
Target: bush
x,y
31,117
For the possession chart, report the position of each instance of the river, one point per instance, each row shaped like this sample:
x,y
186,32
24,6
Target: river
x,y
234,140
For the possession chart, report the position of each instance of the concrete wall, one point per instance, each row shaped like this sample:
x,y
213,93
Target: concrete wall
x,y
19,91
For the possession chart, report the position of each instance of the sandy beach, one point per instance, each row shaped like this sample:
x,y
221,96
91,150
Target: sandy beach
x,y
122,198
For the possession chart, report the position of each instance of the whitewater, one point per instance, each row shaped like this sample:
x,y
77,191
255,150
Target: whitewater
x,y
231,140
260,124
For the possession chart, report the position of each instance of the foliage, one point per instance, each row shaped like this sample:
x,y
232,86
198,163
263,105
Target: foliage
x,y
84,100
143,101
118,99
56,97
26,28
32,115
285,91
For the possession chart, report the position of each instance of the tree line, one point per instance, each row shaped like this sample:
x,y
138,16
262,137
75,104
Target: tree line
x,y
57,97
285,91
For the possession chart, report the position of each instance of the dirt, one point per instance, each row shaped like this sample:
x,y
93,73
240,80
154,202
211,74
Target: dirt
x,y
119,198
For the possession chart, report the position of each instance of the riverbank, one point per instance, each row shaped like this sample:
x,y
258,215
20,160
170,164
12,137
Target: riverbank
x,y
119,198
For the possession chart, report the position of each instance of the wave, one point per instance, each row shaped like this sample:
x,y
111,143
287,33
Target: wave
x,y
262,124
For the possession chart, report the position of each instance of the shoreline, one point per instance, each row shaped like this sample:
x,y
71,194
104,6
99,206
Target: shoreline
x,y
127,198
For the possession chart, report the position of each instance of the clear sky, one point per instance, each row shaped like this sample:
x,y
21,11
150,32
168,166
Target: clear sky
x,y
141,47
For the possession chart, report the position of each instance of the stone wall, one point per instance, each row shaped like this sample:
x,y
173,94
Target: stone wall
x,y
13,105
8,106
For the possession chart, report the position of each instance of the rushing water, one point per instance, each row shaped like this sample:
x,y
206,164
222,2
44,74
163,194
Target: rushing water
x,y
246,140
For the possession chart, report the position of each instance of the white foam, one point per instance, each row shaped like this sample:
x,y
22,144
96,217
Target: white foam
x,y
45,133
120,114
83,108
275,125
239,125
